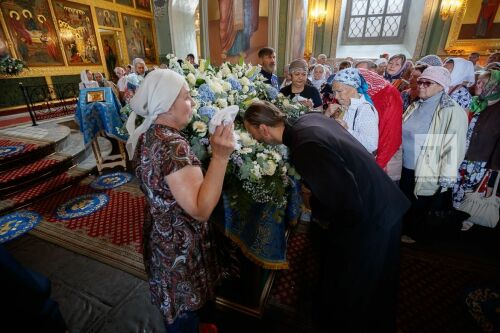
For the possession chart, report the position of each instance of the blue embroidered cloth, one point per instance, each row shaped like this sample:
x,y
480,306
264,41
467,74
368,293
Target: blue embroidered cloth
x,y
261,233
104,116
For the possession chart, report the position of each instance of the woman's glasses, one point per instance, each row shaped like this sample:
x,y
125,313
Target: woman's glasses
x,y
426,84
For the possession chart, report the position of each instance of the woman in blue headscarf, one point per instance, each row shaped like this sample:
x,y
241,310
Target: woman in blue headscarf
x,y
355,110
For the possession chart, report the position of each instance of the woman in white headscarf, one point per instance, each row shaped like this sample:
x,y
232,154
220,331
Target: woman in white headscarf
x,y
87,80
178,254
318,78
462,77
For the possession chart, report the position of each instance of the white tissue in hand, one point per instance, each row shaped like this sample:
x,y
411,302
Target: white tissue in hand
x,y
226,116
298,98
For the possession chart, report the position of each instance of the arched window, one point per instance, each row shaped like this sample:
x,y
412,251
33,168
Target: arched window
x,y
375,21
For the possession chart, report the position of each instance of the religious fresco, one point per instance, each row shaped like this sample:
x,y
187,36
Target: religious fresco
x,y
32,31
107,18
110,56
4,46
143,4
237,28
140,39
77,33
481,20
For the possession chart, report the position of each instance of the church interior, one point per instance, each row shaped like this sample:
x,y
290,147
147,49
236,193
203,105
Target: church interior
x,y
74,205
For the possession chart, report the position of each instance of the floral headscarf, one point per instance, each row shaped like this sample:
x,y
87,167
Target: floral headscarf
x,y
375,82
351,77
491,92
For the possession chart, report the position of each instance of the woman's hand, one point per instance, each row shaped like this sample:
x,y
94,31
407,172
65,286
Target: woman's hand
x,y
222,142
342,123
333,110
308,103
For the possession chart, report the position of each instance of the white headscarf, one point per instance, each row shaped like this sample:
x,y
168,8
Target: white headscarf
x,y
463,72
83,77
155,96
318,83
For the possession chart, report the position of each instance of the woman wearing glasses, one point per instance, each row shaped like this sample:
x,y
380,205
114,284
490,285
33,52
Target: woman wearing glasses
x,y
434,130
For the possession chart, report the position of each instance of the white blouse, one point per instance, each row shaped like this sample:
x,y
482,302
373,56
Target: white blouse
x,y
362,123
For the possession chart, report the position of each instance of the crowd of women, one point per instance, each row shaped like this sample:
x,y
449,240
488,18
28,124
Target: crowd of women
x,y
432,125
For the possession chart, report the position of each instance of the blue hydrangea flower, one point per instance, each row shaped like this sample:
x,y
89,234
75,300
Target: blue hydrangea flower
x,y
205,93
235,84
207,111
272,93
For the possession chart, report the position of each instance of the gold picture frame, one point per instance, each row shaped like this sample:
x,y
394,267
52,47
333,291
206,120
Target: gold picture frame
x,y
95,96
461,40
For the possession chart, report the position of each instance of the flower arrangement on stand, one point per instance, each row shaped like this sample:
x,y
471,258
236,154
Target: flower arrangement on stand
x,y
256,172
11,66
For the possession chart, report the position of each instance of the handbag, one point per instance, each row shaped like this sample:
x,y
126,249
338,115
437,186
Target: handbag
x,y
482,210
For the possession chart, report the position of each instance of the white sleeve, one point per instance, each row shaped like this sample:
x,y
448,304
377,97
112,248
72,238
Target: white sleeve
x,y
366,127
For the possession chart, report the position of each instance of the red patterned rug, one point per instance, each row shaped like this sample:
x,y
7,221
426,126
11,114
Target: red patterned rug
x,y
14,151
112,234
35,169
49,186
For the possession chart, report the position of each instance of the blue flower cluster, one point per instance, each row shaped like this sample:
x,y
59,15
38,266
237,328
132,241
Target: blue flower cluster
x,y
206,94
272,93
235,84
207,111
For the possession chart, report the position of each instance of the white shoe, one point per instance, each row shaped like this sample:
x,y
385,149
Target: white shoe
x,y
407,239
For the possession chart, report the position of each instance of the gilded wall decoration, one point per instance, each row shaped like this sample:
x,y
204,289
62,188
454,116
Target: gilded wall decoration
x,y
107,18
140,39
77,32
32,31
125,2
475,27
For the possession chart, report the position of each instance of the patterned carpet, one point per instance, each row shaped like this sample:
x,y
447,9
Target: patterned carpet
x,y
32,170
432,288
110,232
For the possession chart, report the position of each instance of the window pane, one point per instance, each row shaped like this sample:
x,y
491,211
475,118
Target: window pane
x,y
377,7
373,26
395,6
391,26
359,7
356,27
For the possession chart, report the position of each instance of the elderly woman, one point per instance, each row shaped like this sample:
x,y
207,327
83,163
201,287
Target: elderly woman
x,y
102,82
430,60
381,65
122,82
318,78
139,67
360,117
178,254
87,80
462,77
299,90
387,102
434,132
410,95
483,136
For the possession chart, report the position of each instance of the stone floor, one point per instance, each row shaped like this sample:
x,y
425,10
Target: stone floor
x,y
92,296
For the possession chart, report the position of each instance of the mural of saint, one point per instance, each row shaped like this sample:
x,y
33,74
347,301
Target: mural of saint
x,y
143,4
237,28
139,36
480,20
486,17
77,32
32,31
4,47
107,18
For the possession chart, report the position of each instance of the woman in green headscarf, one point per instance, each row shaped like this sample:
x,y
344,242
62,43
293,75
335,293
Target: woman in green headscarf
x,y
483,136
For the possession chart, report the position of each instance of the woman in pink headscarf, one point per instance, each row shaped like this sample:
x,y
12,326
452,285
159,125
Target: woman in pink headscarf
x,y
387,101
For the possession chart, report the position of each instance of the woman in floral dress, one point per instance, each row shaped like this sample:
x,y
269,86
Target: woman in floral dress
x,y
178,254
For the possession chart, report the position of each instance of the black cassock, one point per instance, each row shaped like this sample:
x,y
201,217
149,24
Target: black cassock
x,y
363,209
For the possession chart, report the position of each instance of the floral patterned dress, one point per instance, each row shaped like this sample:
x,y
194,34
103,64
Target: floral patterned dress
x,y
178,254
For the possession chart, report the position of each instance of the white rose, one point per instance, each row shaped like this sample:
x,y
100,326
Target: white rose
x,y
221,102
276,156
244,81
286,102
269,168
216,87
246,150
226,86
246,139
200,128
230,99
245,89
225,71
191,79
